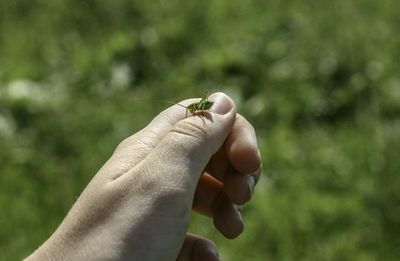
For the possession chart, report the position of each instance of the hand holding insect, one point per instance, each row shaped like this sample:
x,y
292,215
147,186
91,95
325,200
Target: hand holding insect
x,y
137,207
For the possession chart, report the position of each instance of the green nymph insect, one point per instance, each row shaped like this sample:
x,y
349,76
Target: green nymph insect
x,y
203,105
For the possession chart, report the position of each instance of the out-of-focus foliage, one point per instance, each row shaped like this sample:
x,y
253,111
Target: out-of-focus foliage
x,y
319,80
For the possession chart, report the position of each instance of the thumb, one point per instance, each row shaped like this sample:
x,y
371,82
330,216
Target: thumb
x,y
180,157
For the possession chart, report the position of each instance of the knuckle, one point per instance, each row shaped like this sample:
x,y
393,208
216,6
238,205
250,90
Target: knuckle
x,y
127,142
190,129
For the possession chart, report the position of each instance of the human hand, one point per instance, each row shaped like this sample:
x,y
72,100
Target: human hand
x,y
137,207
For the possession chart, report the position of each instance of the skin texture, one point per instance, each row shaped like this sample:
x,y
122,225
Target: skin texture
x,y
137,207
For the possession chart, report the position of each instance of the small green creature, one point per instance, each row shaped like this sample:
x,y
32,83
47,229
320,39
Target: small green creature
x,y
203,105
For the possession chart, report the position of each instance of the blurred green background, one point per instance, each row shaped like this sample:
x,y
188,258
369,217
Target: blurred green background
x,y
318,79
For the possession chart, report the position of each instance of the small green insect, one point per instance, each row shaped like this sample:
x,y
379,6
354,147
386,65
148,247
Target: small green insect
x,y
203,105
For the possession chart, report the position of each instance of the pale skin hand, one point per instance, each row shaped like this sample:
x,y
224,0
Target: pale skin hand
x,y
137,207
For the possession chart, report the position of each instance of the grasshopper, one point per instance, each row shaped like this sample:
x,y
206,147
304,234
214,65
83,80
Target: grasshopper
x,y
203,105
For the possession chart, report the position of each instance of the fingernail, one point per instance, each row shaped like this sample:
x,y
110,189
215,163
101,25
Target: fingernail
x,y
238,208
216,254
222,103
240,218
252,184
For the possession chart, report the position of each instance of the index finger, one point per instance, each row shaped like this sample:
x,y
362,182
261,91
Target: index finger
x,y
244,157
241,147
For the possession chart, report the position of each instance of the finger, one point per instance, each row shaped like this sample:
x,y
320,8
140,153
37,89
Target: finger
x,y
211,200
239,187
196,248
207,191
219,164
227,217
241,146
243,154
240,150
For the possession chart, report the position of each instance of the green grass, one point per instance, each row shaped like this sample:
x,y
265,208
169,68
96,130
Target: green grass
x,y
318,79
